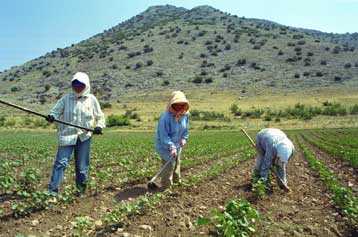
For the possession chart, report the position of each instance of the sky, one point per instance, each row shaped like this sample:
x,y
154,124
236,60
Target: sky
x,y
31,28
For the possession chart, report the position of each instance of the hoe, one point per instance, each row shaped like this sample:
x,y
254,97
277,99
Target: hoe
x,y
151,184
44,116
284,185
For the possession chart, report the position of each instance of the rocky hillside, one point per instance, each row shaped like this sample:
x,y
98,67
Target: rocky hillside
x,y
201,48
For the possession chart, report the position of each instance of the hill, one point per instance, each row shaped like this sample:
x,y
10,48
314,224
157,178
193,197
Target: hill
x,y
167,47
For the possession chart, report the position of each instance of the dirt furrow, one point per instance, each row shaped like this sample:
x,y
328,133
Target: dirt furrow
x,y
306,211
56,220
346,174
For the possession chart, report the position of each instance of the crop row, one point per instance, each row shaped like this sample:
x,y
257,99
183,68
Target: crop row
x,y
342,196
122,210
345,138
349,154
116,161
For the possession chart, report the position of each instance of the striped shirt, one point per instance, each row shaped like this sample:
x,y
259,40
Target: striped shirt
x,y
84,111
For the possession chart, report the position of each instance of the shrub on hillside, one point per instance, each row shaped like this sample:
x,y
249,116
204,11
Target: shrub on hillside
x,y
347,65
336,50
14,89
319,74
241,62
197,80
208,80
149,63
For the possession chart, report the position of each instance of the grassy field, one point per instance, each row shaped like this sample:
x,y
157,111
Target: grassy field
x,y
149,106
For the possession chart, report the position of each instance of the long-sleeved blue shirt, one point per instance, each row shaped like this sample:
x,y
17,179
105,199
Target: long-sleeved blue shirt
x,y
170,132
266,145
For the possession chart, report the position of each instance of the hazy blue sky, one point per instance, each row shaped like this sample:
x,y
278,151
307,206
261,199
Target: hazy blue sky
x,y
31,28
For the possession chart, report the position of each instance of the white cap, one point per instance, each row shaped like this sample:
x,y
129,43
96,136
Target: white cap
x,y
284,150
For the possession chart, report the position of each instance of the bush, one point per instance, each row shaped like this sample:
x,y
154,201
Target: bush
x,y
354,109
207,116
235,110
131,115
337,78
336,50
347,65
334,110
14,89
2,120
319,74
197,80
138,65
147,50
208,80
117,120
149,63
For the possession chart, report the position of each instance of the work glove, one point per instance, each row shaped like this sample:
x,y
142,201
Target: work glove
x,y
97,131
50,118
173,151
182,142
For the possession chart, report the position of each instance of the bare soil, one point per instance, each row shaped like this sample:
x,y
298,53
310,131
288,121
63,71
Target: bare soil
x,y
306,211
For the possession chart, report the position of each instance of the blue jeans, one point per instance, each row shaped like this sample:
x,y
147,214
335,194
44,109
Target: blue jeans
x,y
281,170
63,157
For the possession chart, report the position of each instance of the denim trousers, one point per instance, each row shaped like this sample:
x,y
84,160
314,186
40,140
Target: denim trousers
x,y
280,169
63,158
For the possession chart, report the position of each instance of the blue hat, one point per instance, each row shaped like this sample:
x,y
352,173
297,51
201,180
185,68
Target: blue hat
x,y
77,83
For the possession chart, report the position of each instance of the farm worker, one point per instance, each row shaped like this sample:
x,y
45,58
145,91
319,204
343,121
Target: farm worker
x,y
81,108
171,136
273,148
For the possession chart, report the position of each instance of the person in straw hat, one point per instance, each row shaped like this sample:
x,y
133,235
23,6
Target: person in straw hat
x,y
171,136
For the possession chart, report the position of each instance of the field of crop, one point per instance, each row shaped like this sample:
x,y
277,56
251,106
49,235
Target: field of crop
x,y
216,169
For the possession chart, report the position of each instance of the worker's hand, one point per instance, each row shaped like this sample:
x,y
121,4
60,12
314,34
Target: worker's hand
x,y
182,142
173,151
50,118
97,131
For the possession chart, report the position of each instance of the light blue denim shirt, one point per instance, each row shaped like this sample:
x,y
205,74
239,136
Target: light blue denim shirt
x,y
170,132
266,145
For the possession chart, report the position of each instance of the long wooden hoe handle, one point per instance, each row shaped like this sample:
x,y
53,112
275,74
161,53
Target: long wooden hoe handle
x,y
277,176
44,116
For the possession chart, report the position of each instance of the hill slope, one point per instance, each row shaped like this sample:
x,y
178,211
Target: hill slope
x,y
166,46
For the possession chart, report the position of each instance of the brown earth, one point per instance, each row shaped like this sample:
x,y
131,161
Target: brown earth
x,y
306,211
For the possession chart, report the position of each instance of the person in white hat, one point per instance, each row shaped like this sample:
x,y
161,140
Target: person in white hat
x,y
81,108
273,148
171,136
